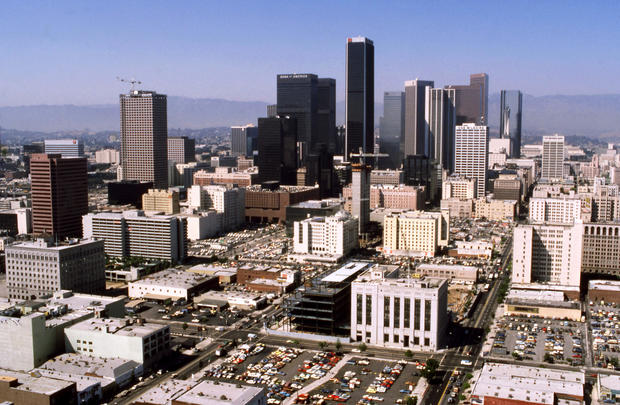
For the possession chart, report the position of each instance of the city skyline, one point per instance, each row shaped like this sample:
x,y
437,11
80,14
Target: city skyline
x,y
545,54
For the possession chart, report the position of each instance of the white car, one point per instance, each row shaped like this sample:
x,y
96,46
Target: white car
x,y
466,362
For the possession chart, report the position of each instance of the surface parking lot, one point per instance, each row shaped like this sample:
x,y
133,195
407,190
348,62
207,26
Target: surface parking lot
x,y
540,340
605,327
360,381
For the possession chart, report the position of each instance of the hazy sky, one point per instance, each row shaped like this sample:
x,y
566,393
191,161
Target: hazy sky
x,y
70,52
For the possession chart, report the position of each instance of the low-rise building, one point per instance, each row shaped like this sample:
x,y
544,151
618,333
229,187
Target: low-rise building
x,y
27,389
515,384
449,271
495,210
268,279
268,203
226,175
164,201
608,387
392,177
415,232
139,341
390,310
232,299
604,290
475,248
548,304
182,392
172,284
459,187
226,200
458,208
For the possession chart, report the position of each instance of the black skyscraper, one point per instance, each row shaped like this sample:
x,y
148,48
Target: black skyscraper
x,y
277,144
298,97
326,119
360,96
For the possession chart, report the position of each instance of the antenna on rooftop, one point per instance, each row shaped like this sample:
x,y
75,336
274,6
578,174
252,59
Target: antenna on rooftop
x,y
131,81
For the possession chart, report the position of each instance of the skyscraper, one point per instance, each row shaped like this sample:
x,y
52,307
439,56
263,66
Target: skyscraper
x,y
65,147
181,149
326,114
553,157
415,122
244,140
441,125
471,154
472,100
360,195
59,195
144,137
298,97
360,96
277,144
510,119
392,128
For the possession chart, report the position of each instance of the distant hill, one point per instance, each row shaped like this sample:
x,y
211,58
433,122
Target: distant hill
x,y
593,116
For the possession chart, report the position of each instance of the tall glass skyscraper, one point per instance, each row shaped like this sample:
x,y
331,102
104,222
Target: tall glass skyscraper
x,y
277,144
298,97
392,128
472,100
415,123
326,120
511,107
360,96
441,125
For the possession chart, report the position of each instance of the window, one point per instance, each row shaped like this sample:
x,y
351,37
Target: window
x,y
359,309
416,340
427,342
427,315
407,312
368,309
386,338
416,315
397,312
386,311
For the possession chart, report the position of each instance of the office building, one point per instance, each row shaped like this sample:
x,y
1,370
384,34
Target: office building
x,y
326,114
323,305
277,150
16,222
385,177
391,310
470,154
172,284
459,187
360,96
499,145
458,208
555,210
417,171
310,209
415,233
108,156
440,118
134,234
144,137
227,200
59,192
392,129
495,210
128,192
472,100
508,187
515,384
601,249
163,201
67,148
553,157
390,197
334,236
511,110
298,98
360,195
226,175
547,254
268,202
181,149
416,142
142,342
244,140
37,268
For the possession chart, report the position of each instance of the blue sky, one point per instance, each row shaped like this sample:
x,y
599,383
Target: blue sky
x,y
70,52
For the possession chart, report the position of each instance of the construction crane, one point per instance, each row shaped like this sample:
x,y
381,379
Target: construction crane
x,y
132,81
362,156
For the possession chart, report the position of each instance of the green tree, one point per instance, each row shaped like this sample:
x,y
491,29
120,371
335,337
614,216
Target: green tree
x,y
548,358
409,354
362,347
411,400
430,369
323,345
338,345
185,326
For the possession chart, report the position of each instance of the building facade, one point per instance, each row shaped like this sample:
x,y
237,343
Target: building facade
x,y
392,128
144,137
165,201
415,232
416,142
511,107
278,158
553,157
244,140
471,154
228,201
555,210
472,100
181,149
463,188
334,235
360,195
67,148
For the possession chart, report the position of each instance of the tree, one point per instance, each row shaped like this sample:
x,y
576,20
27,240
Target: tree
x,y
323,345
338,345
430,369
185,325
548,358
411,400
409,354
362,347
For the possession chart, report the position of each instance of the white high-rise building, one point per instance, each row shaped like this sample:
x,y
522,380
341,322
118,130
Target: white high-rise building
x,y
555,210
107,156
390,311
415,232
66,147
553,157
135,234
224,199
334,235
471,154
547,254
459,187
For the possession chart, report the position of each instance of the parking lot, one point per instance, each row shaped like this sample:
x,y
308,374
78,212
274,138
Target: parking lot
x,y
540,340
604,329
234,243
366,381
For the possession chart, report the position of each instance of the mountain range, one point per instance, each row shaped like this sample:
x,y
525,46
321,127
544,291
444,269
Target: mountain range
x,y
588,115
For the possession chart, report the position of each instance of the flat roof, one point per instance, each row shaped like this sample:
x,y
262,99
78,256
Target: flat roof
x,y
81,364
524,383
172,278
34,383
455,267
350,269
118,326
605,285
42,244
165,392
219,393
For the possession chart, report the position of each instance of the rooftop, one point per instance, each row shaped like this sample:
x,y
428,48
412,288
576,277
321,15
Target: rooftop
x,y
34,383
43,244
163,393
216,393
350,269
73,363
118,326
606,285
172,278
317,203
